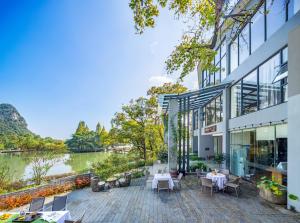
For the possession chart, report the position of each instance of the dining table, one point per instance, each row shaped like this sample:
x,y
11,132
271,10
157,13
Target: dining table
x,y
162,176
46,217
218,178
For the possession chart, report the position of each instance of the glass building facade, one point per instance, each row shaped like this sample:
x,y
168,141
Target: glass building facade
x,y
265,86
213,111
259,151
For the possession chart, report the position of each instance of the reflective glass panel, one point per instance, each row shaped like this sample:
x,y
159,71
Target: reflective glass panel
x,y
275,16
233,55
250,93
269,92
257,29
244,45
236,100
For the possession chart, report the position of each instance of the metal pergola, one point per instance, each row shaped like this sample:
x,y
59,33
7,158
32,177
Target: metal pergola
x,y
188,102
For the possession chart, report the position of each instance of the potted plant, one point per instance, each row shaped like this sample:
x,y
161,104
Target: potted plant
x,y
293,197
272,191
219,158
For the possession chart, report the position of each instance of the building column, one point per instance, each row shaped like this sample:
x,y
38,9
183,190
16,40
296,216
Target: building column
x,y
226,134
172,131
294,117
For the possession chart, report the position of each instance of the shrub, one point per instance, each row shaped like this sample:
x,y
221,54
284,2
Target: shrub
x,y
198,165
11,202
268,184
82,181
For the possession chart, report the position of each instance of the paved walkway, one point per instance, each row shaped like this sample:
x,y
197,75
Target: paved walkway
x,y
140,204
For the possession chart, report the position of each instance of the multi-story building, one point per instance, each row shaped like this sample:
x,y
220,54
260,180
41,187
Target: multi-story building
x,y
250,108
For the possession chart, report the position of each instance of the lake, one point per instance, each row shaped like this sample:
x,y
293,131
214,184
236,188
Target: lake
x,y
21,166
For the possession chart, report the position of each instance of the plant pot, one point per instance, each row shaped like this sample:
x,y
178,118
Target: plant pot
x,y
274,199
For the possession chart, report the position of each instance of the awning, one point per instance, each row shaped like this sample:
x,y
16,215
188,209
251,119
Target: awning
x,y
192,100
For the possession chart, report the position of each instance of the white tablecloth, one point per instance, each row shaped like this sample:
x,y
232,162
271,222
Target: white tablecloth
x,y
164,176
219,179
56,216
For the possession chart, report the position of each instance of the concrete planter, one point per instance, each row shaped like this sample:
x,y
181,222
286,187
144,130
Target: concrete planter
x,y
274,199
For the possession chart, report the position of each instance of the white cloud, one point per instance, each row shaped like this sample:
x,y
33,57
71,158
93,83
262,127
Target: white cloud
x,y
158,80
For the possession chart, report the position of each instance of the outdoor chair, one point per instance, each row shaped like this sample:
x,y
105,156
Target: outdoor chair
x,y
37,204
205,182
125,181
200,173
163,185
225,172
77,221
177,181
235,185
59,203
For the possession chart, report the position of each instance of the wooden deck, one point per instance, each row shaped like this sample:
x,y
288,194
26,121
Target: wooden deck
x,y
140,204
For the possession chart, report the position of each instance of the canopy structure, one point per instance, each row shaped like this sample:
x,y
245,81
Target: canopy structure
x,y
187,102
192,100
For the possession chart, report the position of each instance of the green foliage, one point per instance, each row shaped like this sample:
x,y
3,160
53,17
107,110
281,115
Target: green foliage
x,y
219,158
41,164
85,140
194,157
198,165
114,164
293,197
5,176
203,18
162,154
15,135
139,122
268,184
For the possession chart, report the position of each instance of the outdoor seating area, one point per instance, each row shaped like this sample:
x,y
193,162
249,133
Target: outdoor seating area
x,y
139,203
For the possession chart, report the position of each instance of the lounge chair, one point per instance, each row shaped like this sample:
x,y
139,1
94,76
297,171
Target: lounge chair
x,y
59,203
163,185
235,185
37,204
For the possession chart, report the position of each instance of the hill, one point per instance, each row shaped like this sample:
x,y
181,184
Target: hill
x,y
11,122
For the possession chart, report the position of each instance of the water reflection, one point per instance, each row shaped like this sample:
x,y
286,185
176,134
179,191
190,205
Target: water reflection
x,y
21,166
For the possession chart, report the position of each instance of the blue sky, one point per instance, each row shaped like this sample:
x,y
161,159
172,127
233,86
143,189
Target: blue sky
x,y
62,61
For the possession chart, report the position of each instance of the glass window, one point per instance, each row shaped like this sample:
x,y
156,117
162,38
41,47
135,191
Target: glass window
x,y
210,113
233,55
196,119
284,55
290,8
223,68
257,29
218,109
244,45
212,78
275,16
236,100
250,93
269,92
223,48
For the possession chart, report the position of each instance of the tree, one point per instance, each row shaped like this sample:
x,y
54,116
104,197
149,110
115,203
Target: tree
x,y
41,164
138,122
199,40
101,136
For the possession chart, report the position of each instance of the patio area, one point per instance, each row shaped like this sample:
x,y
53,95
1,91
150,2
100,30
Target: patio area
x,y
140,204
